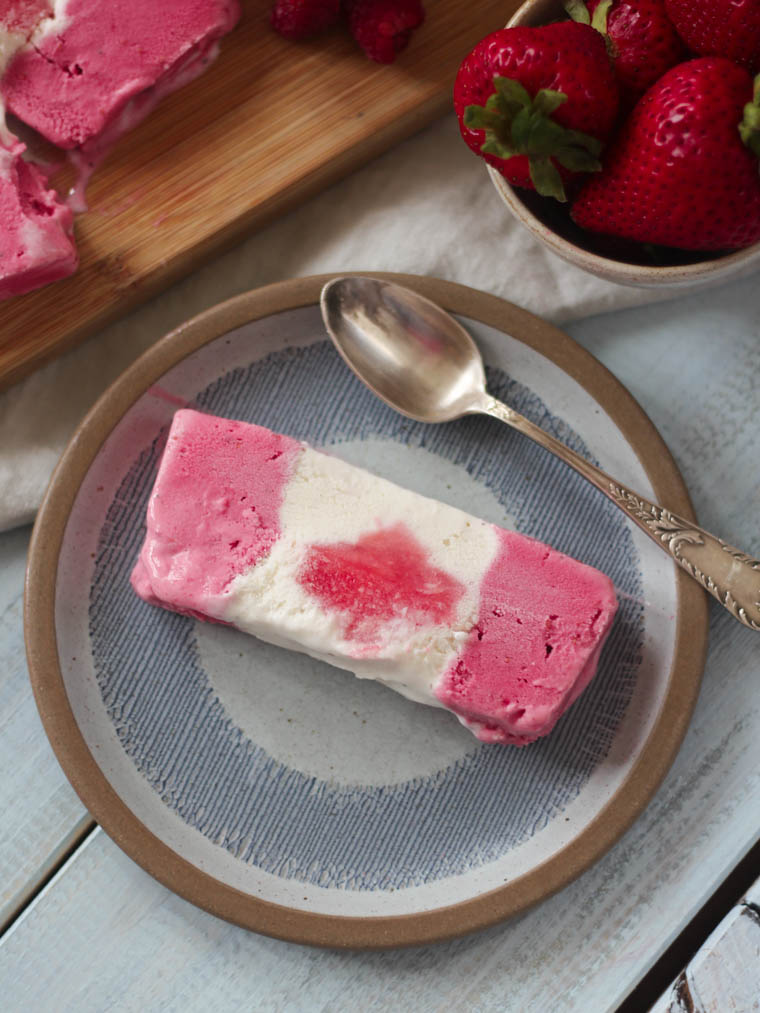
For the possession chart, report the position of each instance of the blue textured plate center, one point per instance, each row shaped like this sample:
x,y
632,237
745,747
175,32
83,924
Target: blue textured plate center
x,y
334,831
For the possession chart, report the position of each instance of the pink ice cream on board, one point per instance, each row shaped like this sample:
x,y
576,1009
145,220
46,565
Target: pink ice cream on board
x,y
260,531
36,244
82,73
20,17
97,67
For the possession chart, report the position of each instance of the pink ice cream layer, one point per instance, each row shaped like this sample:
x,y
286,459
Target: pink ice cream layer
x,y
22,16
36,245
543,620
214,510
76,82
542,617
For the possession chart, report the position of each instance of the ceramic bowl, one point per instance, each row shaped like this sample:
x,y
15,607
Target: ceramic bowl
x,y
550,223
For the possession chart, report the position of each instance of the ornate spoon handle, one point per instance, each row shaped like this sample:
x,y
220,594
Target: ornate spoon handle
x,y
729,575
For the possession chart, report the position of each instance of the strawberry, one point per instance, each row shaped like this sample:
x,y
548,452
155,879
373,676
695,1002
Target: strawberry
x,y
383,27
298,19
729,28
538,103
683,170
641,40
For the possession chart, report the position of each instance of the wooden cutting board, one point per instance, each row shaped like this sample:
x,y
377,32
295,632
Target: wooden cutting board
x,y
269,124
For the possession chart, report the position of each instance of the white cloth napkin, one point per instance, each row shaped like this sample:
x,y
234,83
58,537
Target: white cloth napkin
x,y
426,207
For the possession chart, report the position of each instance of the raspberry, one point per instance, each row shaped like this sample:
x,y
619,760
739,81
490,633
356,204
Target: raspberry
x,y
298,19
383,27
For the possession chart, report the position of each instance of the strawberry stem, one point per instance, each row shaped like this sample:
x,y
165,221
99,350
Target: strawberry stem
x,y
749,128
578,11
516,124
599,20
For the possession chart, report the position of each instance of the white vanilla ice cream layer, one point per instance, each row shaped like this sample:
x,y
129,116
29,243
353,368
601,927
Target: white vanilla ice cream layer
x,y
328,501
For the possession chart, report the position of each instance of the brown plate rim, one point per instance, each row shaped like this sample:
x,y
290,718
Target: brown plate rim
x,y
234,905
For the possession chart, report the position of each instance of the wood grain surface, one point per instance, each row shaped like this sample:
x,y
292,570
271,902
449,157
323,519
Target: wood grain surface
x,y
270,123
44,816
725,973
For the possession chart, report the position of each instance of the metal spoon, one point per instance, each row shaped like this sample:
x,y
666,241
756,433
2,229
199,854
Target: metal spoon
x,y
421,362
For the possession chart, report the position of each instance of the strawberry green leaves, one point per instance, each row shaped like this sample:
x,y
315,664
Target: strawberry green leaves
x,y
749,128
537,104
578,11
516,124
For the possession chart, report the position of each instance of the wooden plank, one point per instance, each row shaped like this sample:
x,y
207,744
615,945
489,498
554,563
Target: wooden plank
x,y
269,124
656,983
725,973
42,816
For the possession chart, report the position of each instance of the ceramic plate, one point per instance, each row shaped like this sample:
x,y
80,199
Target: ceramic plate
x,y
289,796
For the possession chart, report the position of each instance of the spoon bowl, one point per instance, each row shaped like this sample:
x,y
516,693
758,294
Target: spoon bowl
x,y
411,353
420,361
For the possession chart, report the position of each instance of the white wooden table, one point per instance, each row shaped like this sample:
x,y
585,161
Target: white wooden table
x,y
725,972
86,929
